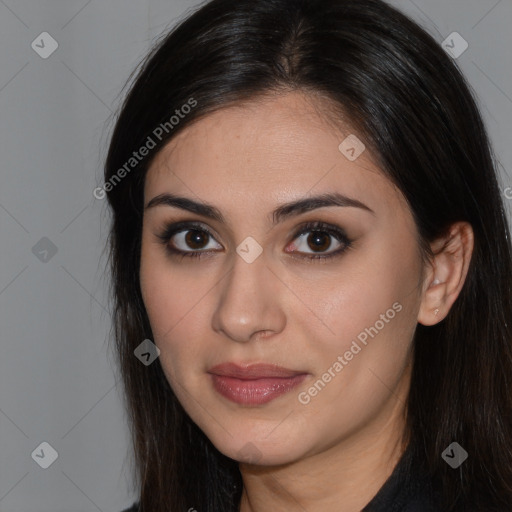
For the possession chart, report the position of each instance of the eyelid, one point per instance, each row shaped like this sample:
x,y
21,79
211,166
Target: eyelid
x,y
173,228
333,230
325,227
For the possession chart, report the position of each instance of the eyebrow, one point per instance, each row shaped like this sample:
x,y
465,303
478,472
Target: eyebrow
x,y
280,214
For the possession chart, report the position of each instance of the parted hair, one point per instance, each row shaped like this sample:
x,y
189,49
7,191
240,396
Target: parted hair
x,y
419,117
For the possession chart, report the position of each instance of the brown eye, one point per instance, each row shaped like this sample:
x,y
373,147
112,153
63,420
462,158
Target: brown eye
x,y
191,240
316,240
319,240
196,239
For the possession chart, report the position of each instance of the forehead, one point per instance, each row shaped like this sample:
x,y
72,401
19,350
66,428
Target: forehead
x,y
265,152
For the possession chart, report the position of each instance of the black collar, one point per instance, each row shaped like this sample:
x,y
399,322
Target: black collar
x,y
408,489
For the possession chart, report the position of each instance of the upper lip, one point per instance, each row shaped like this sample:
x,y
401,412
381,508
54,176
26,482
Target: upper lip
x,y
253,371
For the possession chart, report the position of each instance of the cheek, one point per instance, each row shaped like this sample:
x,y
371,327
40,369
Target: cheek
x,y
371,311
173,300
361,296
166,292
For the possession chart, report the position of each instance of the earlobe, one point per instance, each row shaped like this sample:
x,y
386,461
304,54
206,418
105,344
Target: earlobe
x,y
449,268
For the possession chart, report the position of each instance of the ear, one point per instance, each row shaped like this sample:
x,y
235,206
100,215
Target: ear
x,y
447,273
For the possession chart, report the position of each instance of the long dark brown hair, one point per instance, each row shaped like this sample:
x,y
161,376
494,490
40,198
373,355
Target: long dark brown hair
x,y
417,114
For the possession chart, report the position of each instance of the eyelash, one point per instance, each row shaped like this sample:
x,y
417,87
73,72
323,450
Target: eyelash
x,y
173,229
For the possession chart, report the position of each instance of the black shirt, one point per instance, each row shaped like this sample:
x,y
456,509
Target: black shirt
x,y
408,489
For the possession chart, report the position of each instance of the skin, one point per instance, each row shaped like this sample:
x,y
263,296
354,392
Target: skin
x,y
335,452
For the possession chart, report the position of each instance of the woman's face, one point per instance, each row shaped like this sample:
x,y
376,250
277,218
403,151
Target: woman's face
x,y
340,324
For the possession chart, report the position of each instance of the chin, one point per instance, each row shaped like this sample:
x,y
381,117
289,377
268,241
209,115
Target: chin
x,y
264,456
259,449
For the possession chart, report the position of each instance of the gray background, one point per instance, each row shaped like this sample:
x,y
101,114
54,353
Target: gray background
x,y
57,374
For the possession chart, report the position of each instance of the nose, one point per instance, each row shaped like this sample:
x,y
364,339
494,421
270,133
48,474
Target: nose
x,y
249,302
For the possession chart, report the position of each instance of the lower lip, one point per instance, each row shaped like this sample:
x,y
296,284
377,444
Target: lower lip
x,y
255,391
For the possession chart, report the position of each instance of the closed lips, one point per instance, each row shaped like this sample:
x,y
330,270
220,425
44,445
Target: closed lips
x,y
253,371
253,385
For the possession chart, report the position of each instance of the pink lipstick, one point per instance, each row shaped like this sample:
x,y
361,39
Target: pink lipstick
x,y
254,384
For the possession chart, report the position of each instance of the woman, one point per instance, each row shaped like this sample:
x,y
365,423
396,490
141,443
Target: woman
x,y
311,268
